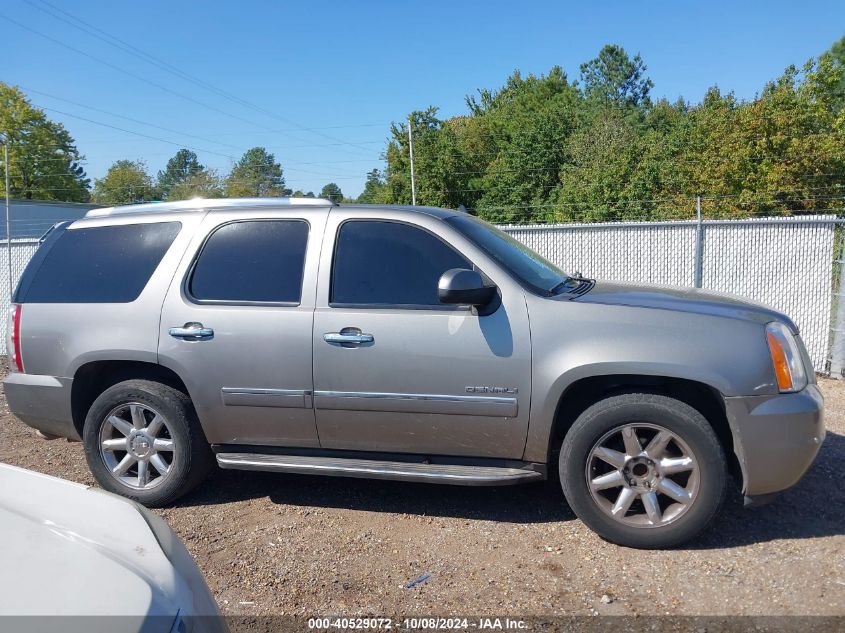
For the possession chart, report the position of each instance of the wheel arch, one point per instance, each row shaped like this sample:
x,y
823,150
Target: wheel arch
x,y
584,392
94,377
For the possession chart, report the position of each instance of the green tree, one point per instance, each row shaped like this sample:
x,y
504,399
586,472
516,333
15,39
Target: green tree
x,y
44,162
596,183
542,149
440,163
519,184
126,182
374,190
613,77
836,56
203,184
302,194
182,167
838,50
332,192
256,174
398,174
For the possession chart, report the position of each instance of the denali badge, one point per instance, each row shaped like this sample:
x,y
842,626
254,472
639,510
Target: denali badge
x,y
473,389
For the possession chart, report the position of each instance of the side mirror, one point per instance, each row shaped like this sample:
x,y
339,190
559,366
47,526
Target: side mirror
x,y
464,287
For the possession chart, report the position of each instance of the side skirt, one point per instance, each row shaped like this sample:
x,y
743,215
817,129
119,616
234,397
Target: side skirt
x,y
459,471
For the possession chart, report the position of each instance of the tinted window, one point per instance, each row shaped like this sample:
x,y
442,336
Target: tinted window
x,y
534,270
389,263
106,264
260,260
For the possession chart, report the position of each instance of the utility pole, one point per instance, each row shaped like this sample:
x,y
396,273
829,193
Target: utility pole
x,y
411,152
8,215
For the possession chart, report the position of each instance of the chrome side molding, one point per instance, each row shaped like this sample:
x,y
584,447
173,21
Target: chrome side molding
x,y
260,397
489,406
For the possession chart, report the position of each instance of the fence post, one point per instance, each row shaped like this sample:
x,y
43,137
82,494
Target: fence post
x,y
699,242
8,217
837,350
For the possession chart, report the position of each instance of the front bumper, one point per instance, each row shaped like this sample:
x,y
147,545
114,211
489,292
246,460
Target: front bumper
x,y
776,438
42,402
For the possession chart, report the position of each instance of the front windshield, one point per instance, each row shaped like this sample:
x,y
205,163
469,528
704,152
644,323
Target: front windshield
x,y
531,269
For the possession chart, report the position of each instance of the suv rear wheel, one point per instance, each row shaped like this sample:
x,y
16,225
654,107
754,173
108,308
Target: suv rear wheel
x,y
143,441
643,470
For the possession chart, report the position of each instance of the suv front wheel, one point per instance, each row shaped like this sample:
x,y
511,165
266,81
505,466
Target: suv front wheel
x,y
143,441
643,470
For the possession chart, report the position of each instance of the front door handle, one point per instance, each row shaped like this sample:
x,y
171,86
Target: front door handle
x,y
192,332
348,337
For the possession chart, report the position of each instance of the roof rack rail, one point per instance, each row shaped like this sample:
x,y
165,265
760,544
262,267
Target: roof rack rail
x,y
203,204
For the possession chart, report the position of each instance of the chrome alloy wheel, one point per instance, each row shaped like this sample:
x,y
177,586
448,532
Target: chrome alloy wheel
x,y
136,445
643,475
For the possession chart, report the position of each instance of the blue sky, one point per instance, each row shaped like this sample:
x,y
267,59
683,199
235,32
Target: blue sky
x,y
329,77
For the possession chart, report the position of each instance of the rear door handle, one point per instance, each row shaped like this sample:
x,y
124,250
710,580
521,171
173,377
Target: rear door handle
x,y
348,337
192,332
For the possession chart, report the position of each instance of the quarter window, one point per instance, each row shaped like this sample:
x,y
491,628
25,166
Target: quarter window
x,y
252,261
103,264
389,263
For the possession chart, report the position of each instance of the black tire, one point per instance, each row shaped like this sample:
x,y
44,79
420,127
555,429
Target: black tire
x,y
192,459
688,424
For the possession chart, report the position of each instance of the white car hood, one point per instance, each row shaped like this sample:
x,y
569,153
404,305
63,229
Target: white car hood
x,y
67,549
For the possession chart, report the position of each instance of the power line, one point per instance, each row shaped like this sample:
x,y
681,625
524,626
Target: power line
x,y
494,170
274,147
681,204
85,161
628,212
128,118
154,138
127,72
817,188
145,80
168,67
181,145
151,187
550,133
241,164
35,179
694,156
308,129
164,65
62,159
622,205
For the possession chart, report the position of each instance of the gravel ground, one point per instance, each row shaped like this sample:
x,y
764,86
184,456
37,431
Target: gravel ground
x,y
286,544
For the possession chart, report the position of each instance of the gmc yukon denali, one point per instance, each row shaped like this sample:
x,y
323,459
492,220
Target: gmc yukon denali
x,y
413,343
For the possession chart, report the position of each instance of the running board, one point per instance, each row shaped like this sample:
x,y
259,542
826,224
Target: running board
x,y
457,474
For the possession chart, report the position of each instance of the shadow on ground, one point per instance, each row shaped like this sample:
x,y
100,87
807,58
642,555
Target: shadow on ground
x,y
813,508
529,503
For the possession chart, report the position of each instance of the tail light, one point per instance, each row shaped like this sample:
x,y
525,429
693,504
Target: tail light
x,y
16,361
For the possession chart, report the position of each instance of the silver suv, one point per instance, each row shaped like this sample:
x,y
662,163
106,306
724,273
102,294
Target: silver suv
x,y
407,343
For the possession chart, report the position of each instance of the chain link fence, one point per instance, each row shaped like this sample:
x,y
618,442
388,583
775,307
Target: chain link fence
x,y
21,251
788,263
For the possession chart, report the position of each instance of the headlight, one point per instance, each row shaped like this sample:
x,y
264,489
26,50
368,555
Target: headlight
x,y
786,358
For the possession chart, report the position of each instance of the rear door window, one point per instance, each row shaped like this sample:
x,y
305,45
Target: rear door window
x,y
253,261
103,264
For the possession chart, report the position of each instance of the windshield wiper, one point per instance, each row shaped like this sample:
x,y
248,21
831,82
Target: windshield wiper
x,y
567,283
